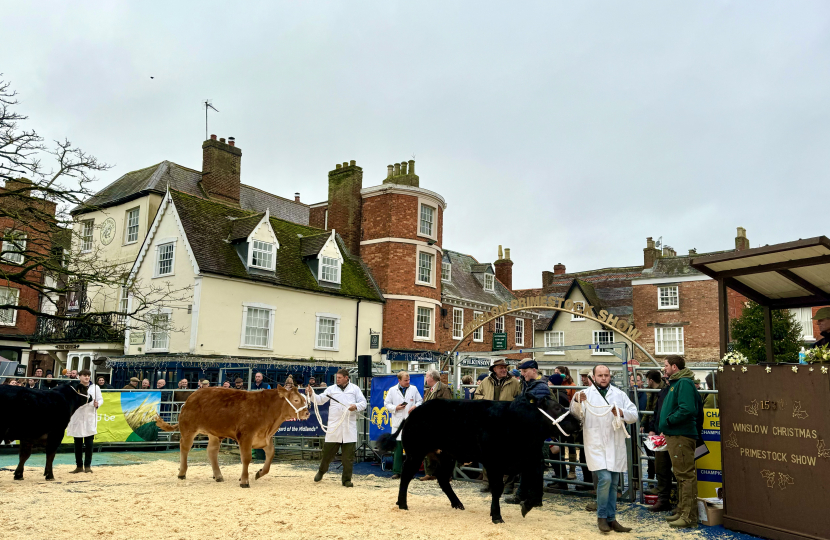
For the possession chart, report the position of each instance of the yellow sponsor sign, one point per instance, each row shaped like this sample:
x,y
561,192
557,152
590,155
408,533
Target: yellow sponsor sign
x,y
709,469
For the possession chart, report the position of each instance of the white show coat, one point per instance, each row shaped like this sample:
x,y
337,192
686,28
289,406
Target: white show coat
x,y
605,446
347,431
84,421
394,397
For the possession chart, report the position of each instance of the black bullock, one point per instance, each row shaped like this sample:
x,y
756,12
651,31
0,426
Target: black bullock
x,y
37,417
506,437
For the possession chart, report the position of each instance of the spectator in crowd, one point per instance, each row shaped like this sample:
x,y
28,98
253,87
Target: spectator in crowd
x,y
680,417
73,374
102,383
133,384
160,384
480,378
498,386
238,383
183,384
516,373
583,376
349,398
322,385
259,384
205,384
662,463
435,389
49,383
39,382
312,382
605,446
711,400
226,384
182,393
567,381
11,382
400,401
467,380
289,384
83,424
145,384
30,383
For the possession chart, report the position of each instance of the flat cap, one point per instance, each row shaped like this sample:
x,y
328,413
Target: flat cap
x,y
528,364
823,313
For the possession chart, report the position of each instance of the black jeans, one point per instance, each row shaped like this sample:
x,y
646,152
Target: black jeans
x,y
83,444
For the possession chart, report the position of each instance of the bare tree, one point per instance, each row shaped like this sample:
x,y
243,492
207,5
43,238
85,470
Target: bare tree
x,y
41,248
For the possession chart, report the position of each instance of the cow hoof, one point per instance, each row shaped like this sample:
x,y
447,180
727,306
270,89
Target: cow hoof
x,y
48,478
182,477
258,474
458,506
244,485
496,521
526,508
18,477
220,479
403,506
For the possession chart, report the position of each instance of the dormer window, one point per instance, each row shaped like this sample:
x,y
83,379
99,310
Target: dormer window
x,y
262,255
489,282
329,270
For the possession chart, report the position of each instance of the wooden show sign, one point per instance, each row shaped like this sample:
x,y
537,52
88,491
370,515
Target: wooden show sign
x,y
776,464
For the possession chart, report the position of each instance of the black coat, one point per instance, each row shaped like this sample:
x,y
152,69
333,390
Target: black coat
x,y
651,420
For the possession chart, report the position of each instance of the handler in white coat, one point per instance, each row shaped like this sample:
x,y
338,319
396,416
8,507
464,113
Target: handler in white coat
x,y
605,443
346,401
84,422
400,400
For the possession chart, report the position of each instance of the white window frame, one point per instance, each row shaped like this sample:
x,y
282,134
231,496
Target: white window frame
x,y
575,317
596,342
421,203
337,271
87,236
429,222
168,312
159,245
446,271
243,335
457,323
499,321
434,255
14,311
254,248
548,340
659,349
804,316
520,338
124,299
127,225
432,308
14,249
336,319
660,297
478,334
489,282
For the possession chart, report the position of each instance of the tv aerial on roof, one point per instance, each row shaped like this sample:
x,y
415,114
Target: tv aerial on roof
x,y
208,105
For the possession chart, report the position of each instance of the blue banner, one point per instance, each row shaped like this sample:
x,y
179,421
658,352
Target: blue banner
x,y
305,428
378,414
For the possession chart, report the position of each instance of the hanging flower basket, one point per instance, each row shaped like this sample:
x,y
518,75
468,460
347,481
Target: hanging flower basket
x,y
733,358
818,355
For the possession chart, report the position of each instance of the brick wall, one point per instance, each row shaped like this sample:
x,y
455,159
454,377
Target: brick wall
x,y
345,205
446,341
221,169
394,215
317,217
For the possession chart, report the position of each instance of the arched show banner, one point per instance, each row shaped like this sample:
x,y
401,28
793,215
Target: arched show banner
x,y
775,431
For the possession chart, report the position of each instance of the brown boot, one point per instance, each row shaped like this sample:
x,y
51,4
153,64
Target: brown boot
x,y
77,470
88,469
616,527
602,525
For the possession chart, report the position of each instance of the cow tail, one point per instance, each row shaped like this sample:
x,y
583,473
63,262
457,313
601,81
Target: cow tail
x,y
387,441
165,426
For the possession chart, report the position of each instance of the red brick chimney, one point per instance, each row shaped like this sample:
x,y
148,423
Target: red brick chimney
x,y
296,197
558,268
23,186
650,253
345,203
504,268
221,169
741,241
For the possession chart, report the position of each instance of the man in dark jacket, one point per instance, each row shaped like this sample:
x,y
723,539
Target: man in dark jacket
x,y
662,463
679,418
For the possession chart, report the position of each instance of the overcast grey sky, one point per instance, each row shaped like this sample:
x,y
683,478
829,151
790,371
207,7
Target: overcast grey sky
x,y
567,131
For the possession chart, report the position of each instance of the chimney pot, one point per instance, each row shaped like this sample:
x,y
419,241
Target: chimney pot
x,y
501,254
507,253
403,167
338,166
221,139
411,166
352,163
296,197
692,251
741,241
345,163
558,268
213,137
232,141
389,171
397,169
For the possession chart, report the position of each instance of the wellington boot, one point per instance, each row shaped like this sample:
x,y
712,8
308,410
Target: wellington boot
x,y
672,517
681,523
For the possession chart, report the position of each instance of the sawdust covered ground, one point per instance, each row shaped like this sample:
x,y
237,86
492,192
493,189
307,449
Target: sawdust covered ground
x,y
147,501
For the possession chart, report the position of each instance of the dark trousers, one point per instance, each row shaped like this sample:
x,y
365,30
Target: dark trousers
x,y
397,458
83,449
430,467
330,450
662,468
650,466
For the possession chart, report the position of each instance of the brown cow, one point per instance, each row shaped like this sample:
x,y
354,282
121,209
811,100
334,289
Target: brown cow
x,y
250,418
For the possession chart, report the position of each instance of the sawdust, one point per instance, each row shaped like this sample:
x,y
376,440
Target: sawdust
x,y
147,501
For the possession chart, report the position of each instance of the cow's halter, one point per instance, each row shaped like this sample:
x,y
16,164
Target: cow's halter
x,y
296,410
556,422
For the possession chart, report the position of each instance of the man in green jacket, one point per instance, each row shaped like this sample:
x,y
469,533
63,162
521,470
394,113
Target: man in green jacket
x,y
679,424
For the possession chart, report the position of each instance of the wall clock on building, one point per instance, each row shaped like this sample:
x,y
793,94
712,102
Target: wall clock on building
x,y
107,231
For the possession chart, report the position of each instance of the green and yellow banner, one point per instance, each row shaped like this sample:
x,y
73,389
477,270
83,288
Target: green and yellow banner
x,y
126,417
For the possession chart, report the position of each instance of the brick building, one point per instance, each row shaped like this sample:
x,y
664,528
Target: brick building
x,y
23,237
397,230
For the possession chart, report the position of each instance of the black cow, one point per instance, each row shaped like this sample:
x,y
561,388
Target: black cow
x,y
37,417
506,437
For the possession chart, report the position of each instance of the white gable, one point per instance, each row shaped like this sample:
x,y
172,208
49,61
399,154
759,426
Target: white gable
x,y
264,232
331,249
